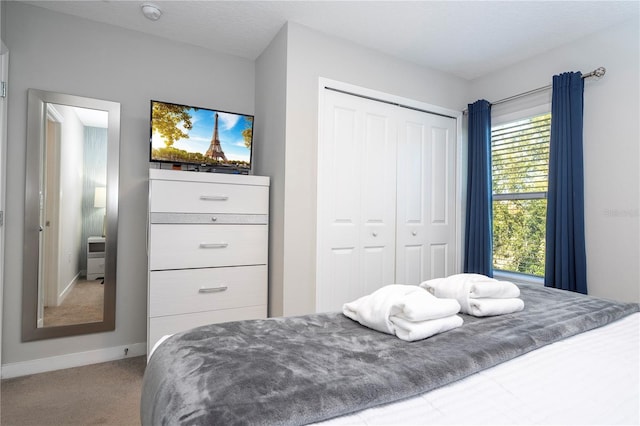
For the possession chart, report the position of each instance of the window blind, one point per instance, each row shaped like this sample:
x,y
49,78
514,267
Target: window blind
x,y
520,158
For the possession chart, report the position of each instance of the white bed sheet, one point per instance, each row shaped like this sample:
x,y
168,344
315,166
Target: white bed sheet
x,y
592,378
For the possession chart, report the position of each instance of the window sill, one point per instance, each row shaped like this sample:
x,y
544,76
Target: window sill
x,y
517,278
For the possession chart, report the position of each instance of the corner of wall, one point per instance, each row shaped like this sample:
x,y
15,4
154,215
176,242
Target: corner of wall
x,y
269,154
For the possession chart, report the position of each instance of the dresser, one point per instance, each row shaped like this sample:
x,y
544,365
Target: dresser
x,y
207,250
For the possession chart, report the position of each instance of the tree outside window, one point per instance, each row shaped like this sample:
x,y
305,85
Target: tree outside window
x,y
520,161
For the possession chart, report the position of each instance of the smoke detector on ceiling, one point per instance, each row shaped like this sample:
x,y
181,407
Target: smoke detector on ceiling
x,y
151,11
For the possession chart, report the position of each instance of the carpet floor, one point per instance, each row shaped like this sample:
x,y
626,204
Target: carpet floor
x,y
84,303
98,394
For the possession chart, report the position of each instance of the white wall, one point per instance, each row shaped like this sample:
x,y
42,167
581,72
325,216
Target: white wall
x,y
611,147
269,152
51,51
70,217
309,56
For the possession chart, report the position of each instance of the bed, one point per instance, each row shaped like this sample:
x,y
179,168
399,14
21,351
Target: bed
x,y
565,359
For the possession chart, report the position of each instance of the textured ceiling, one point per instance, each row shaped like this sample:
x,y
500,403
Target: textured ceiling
x,y
466,38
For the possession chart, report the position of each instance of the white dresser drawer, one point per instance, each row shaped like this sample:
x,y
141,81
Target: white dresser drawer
x,y
95,268
161,326
197,290
203,246
200,197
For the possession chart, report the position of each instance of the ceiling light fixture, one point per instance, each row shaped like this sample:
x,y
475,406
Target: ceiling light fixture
x,y
151,11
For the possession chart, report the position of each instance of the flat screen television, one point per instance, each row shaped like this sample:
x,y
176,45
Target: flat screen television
x,y
200,138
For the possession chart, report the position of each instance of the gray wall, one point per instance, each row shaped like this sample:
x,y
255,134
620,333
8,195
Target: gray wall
x,y
2,14
611,147
51,51
271,91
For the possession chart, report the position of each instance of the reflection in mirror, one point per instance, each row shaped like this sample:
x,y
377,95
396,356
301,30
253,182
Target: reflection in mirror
x,y
70,215
71,289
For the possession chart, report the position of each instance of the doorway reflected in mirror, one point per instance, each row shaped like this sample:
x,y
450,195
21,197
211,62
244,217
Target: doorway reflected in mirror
x,y
73,209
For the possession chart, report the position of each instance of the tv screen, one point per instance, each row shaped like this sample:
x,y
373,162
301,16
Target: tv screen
x,y
201,137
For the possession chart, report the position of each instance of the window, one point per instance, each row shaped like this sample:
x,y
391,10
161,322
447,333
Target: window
x,y
520,162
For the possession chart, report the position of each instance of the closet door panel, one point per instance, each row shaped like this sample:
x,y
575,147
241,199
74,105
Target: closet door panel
x,y
341,152
412,266
412,199
412,156
378,165
439,184
440,260
338,209
356,180
340,272
441,224
378,170
342,148
376,270
426,197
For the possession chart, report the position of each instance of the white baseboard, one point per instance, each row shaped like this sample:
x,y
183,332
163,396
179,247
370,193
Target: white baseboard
x,y
78,359
65,292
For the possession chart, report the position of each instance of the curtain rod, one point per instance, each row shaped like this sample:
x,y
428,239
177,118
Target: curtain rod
x,y
598,72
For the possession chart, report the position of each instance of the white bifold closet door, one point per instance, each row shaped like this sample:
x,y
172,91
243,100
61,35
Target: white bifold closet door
x,y
386,198
426,197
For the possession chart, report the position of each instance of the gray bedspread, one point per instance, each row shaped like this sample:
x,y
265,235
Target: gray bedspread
x,y
299,370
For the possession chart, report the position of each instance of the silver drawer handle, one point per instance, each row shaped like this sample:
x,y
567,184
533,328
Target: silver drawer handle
x,y
212,289
214,197
213,245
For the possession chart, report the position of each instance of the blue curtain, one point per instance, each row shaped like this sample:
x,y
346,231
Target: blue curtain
x,y
478,240
565,261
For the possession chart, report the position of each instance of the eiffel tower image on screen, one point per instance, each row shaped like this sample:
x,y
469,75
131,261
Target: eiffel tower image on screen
x,y
215,151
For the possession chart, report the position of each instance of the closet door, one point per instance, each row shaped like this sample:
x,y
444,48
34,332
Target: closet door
x,y
426,245
356,199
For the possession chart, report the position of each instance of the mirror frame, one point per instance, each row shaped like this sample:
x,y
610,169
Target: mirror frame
x,y
36,132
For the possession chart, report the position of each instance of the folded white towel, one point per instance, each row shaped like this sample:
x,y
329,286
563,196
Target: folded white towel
x,y
479,286
491,307
410,331
406,311
478,295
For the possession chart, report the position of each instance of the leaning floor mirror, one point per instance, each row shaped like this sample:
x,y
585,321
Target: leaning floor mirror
x,y
71,215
